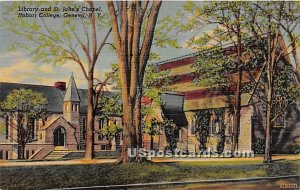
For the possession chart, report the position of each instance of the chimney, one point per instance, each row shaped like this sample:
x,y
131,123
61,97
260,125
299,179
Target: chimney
x,y
60,85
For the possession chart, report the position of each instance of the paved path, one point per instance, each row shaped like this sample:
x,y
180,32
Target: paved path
x,y
259,158
261,183
49,163
5,163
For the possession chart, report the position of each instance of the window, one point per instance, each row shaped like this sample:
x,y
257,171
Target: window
x,y
1,154
101,125
32,152
230,124
6,154
212,124
103,147
278,105
6,126
41,136
77,108
74,107
84,128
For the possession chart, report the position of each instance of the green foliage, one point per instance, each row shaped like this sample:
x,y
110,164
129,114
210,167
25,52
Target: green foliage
x,y
221,132
25,101
171,131
109,105
201,127
152,127
155,82
111,131
26,105
259,146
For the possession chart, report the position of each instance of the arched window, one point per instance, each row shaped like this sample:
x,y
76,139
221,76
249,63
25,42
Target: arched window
x,y
212,124
74,107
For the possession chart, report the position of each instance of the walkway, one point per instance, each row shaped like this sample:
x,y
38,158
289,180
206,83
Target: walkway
x,y
7,163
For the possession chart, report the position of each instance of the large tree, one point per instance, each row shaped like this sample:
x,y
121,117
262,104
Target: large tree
x,y
267,22
25,106
221,60
79,40
256,30
133,50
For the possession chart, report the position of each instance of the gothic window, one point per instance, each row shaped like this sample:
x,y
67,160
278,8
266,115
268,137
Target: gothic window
x,y
279,103
77,108
73,107
212,124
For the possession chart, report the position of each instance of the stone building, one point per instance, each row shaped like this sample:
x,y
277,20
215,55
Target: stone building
x,y
186,101
64,127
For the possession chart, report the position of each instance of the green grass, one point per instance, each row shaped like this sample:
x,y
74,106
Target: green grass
x,y
42,177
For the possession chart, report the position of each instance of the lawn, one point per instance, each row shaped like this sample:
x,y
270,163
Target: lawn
x,y
43,177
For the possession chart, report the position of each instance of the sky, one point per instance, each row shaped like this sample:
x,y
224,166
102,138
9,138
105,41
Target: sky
x,y
18,67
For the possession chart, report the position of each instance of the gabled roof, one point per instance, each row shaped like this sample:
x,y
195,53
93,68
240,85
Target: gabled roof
x,y
52,121
72,93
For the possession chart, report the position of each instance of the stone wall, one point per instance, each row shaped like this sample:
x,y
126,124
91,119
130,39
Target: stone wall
x,y
245,136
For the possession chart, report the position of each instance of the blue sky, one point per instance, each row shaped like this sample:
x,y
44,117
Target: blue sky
x,y
18,67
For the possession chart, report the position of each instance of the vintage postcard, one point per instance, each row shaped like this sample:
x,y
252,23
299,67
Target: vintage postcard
x,y
149,95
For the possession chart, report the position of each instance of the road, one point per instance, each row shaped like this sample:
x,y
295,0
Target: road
x,y
291,183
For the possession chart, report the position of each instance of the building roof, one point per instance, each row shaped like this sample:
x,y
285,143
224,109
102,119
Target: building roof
x,y
72,93
54,95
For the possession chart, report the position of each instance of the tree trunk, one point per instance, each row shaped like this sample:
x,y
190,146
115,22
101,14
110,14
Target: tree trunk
x,y
272,47
296,58
237,110
237,103
90,120
267,157
151,143
124,157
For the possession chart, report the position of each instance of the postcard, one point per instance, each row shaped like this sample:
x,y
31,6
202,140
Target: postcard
x,y
149,95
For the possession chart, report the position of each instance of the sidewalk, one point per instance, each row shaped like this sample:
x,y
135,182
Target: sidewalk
x,y
258,158
8,163
50,163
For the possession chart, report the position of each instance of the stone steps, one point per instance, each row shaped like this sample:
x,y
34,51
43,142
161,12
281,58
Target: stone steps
x,y
57,153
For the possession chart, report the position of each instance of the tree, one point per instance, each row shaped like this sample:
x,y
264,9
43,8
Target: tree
x,y
72,39
155,83
171,131
110,131
26,106
133,50
255,30
216,65
266,21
